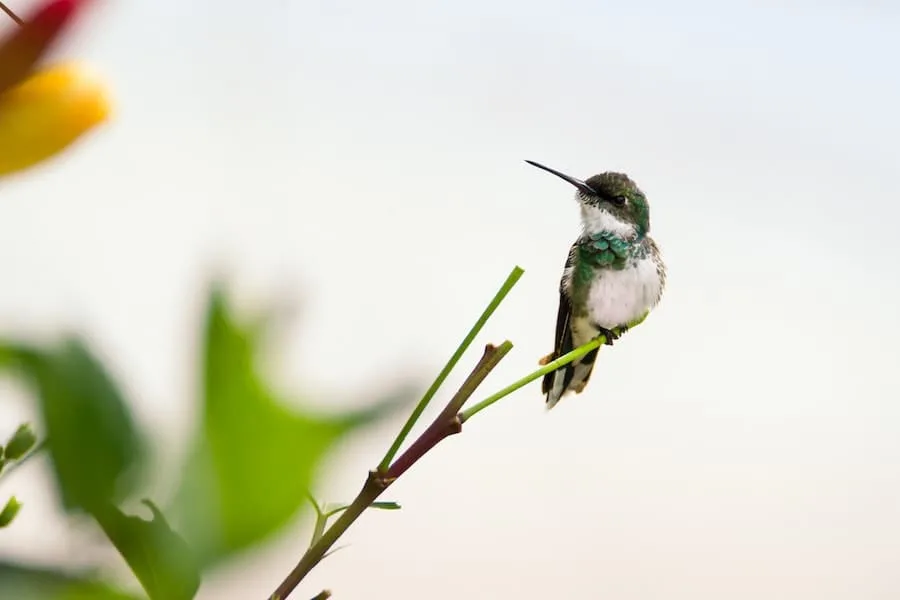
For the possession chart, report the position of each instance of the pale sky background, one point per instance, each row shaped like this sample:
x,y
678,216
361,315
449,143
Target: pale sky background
x,y
366,157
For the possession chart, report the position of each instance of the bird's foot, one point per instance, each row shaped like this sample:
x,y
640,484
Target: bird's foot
x,y
612,335
547,359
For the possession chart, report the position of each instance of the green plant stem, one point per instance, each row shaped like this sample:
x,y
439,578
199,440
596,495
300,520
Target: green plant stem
x,y
319,528
314,502
321,519
548,368
447,423
369,492
444,425
511,280
323,595
335,511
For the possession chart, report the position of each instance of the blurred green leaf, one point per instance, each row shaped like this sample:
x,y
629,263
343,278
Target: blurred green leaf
x,y
9,511
21,442
25,583
254,458
160,559
92,438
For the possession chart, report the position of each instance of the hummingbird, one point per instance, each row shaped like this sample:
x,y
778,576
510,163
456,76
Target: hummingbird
x,y
613,275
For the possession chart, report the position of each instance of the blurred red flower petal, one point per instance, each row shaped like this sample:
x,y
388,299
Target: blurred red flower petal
x,y
20,50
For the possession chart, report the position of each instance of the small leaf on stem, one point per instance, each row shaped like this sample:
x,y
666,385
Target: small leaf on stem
x,y
9,511
330,512
20,443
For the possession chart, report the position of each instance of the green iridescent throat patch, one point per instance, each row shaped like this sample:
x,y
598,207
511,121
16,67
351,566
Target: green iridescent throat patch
x,y
604,249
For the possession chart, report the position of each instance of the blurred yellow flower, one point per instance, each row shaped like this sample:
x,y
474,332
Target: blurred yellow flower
x,y
47,112
43,111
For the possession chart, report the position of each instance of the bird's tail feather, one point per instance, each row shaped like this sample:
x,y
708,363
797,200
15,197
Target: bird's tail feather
x,y
572,377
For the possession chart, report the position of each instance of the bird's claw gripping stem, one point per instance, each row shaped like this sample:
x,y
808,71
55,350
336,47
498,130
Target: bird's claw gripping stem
x,y
612,335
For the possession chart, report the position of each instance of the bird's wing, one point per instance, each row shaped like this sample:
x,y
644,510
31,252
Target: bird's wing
x,y
563,339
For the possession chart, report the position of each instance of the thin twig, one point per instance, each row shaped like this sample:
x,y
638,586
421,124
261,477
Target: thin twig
x,y
443,426
447,423
548,368
323,595
511,280
9,12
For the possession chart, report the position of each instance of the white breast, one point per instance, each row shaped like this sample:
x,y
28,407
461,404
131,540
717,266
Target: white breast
x,y
596,219
618,297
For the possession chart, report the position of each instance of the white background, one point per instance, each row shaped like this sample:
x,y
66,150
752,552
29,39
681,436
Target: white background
x,y
365,160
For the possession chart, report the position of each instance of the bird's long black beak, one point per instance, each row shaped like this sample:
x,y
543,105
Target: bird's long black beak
x,y
582,186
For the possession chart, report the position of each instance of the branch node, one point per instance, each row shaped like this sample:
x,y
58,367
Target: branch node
x,y
378,480
455,425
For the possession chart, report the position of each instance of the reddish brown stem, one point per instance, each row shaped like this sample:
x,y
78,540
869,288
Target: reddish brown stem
x,y
444,425
431,437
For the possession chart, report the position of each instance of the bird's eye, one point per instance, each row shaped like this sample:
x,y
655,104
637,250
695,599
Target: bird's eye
x,y
619,200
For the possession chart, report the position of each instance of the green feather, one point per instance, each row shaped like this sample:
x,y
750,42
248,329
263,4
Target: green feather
x,y
603,250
